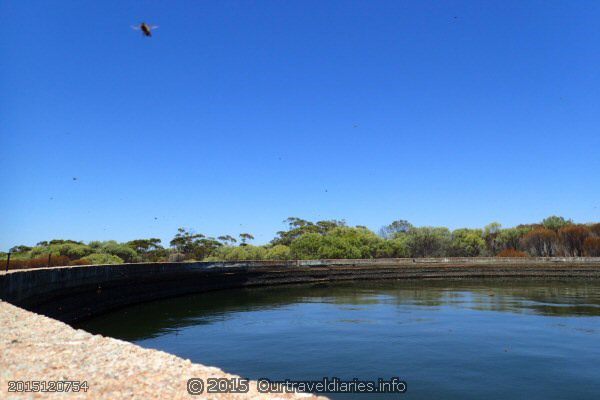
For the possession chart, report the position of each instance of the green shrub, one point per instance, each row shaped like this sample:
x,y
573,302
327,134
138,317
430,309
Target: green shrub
x,y
99,258
306,247
239,253
69,249
466,243
278,252
427,241
123,251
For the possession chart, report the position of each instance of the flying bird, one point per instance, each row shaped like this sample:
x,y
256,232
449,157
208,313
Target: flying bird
x,y
145,28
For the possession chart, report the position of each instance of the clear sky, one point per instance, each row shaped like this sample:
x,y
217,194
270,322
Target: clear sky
x,y
238,114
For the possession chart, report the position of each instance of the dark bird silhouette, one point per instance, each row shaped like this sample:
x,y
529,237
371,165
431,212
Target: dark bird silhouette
x,y
145,28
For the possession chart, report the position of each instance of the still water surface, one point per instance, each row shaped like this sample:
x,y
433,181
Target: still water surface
x,y
450,340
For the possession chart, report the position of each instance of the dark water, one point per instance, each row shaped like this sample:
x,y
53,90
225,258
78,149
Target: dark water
x,y
447,340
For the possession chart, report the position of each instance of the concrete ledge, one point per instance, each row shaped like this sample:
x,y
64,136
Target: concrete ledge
x,y
34,347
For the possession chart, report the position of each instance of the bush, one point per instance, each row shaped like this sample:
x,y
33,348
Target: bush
x,y
39,262
278,252
391,248
176,257
337,248
466,243
99,258
70,249
572,238
591,247
307,246
512,253
81,261
239,253
555,223
428,241
541,242
123,251
510,238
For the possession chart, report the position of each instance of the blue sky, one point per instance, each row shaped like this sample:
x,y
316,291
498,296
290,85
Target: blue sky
x,y
238,114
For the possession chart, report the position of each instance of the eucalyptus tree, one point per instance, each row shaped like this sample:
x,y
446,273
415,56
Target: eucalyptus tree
x,y
244,237
397,227
554,222
228,240
148,249
185,242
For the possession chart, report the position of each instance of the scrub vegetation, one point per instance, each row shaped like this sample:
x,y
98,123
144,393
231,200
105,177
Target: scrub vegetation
x,y
305,240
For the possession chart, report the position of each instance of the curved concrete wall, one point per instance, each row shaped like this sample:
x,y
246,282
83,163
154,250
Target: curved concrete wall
x,y
73,293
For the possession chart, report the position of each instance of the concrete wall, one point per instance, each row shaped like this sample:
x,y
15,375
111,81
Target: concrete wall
x,y
73,293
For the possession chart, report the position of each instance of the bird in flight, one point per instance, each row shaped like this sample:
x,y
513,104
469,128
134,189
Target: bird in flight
x,y
145,28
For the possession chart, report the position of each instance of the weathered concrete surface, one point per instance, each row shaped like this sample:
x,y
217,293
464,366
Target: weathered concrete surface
x,y
34,347
73,293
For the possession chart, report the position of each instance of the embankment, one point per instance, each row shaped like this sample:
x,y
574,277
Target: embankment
x,y
73,293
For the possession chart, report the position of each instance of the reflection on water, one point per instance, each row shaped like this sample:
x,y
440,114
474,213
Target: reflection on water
x,y
449,339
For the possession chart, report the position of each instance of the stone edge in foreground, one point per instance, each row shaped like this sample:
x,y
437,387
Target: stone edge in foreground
x,y
34,347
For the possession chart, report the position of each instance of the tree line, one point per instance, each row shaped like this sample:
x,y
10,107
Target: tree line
x,y
330,239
